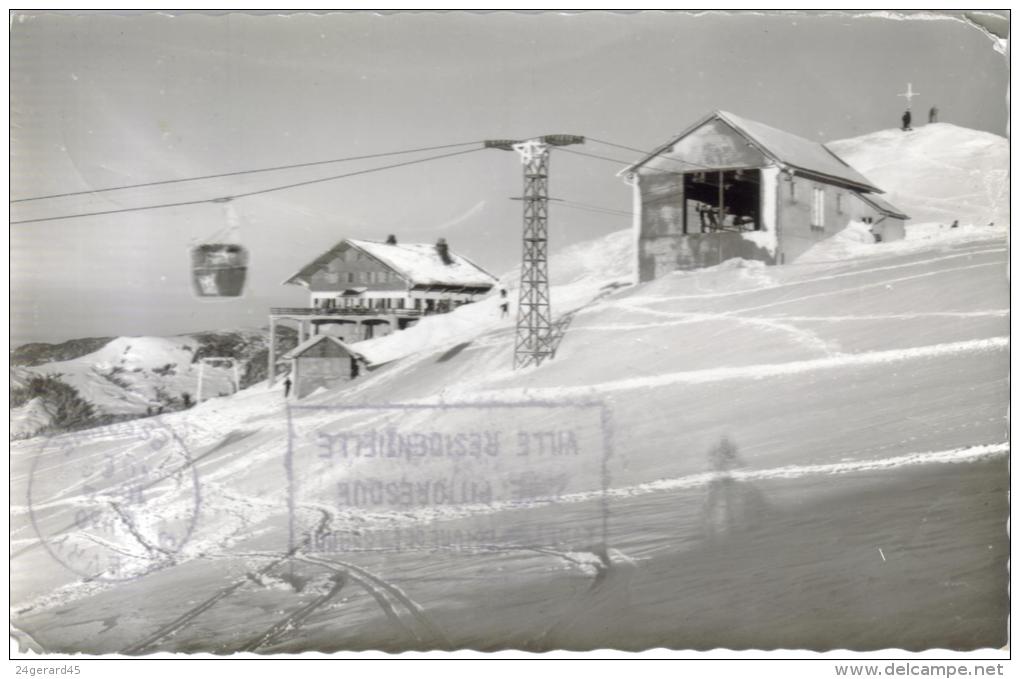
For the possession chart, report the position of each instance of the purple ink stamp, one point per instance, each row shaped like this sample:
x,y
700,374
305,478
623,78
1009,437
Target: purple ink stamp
x,y
112,515
401,477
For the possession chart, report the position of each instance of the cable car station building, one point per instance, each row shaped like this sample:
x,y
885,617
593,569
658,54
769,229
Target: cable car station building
x,y
730,187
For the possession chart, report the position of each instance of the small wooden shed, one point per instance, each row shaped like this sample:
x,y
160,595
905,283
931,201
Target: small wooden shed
x,y
321,361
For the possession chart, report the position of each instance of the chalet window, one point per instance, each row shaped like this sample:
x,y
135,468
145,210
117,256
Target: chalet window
x,y
350,276
818,208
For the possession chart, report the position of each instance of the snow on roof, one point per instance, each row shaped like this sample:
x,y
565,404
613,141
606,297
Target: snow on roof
x,y
312,341
883,206
784,147
419,263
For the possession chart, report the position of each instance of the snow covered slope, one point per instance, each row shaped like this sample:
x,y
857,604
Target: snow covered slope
x,y
129,375
936,173
818,373
866,397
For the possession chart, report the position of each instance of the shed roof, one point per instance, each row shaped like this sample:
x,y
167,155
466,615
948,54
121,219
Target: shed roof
x,y
418,263
783,147
883,206
312,341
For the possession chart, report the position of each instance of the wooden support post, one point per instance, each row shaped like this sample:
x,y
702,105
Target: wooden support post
x,y
201,374
722,216
271,368
722,201
683,204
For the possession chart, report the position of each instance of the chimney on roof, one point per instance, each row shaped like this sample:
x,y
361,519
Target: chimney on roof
x,y
443,250
391,239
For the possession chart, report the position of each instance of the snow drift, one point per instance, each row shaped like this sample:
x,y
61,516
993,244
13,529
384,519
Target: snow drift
x,y
936,173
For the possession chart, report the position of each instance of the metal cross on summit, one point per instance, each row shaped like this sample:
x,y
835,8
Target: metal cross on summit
x,y
909,94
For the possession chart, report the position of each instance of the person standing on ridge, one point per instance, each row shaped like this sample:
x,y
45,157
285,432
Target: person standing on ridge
x,y
933,115
286,387
906,120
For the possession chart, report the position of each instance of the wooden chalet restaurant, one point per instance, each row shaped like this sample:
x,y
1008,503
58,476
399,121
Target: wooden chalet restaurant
x,y
360,289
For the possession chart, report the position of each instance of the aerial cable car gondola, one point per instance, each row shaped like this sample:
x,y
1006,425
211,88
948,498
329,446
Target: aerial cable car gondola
x,y
219,265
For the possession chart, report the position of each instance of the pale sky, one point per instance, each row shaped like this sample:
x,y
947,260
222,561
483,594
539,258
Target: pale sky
x,y
103,100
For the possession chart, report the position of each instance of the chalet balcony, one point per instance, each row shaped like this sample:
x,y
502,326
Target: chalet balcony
x,y
349,311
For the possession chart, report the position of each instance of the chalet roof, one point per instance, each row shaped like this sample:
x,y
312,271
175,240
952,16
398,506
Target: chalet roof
x,y
883,206
312,341
783,147
418,263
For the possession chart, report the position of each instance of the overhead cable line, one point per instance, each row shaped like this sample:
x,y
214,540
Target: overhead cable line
x,y
648,153
592,155
592,208
244,172
224,199
616,161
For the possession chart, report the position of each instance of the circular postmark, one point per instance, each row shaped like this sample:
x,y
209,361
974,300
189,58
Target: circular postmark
x,y
116,502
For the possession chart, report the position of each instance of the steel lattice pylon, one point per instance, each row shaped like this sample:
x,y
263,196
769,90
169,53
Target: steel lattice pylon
x,y
533,342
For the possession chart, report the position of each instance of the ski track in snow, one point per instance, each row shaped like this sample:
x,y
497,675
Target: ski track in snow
x,y
383,519
758,371
805,338
896,317
951,456
877,284
648,299
682,318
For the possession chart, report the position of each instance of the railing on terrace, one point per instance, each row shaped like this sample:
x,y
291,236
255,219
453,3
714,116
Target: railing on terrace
x,y
352,311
